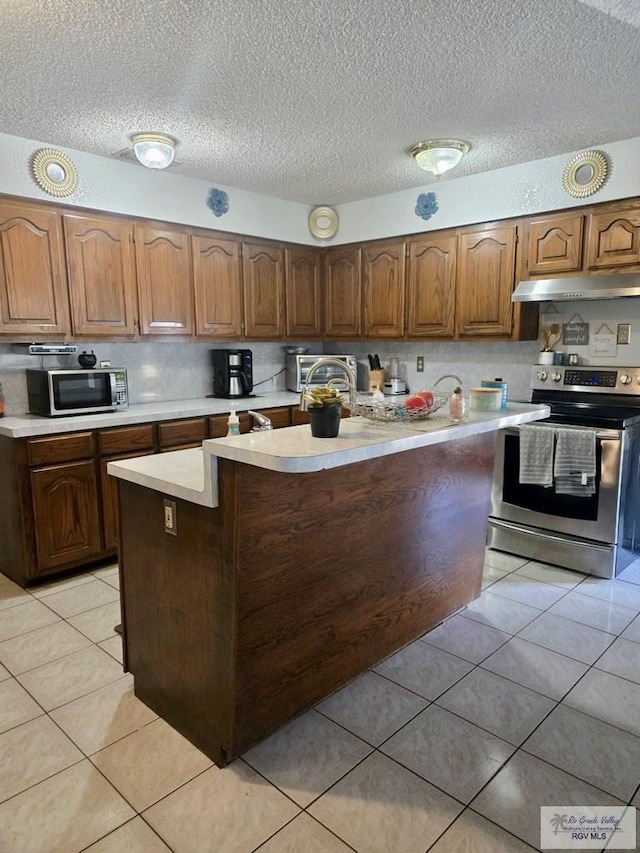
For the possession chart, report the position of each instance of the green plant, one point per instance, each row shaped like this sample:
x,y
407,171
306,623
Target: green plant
x,y
323,396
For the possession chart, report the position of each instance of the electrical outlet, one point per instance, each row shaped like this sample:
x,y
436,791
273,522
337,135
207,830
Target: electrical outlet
x,y
624,333
420,364
170,520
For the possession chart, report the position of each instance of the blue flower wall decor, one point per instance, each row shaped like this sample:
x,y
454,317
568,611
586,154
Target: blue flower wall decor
x,y
218,201
426,205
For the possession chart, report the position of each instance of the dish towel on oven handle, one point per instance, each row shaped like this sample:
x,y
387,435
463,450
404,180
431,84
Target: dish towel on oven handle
x,y
536,454
574,466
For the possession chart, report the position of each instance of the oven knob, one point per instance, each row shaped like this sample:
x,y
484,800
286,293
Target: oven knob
x,y
542,375
625,379
556,377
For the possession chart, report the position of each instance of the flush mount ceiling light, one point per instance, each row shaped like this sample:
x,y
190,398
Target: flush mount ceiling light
x,y
154,150
439,155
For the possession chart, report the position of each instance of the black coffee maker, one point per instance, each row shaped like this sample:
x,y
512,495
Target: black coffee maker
x,y
232,372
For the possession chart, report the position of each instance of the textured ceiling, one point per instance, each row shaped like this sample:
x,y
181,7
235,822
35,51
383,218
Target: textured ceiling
x,y
318,102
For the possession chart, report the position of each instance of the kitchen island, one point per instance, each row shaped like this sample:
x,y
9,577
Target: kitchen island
x,y
295,563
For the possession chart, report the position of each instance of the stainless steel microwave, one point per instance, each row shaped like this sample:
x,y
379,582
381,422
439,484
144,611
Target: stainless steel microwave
x,y
297,367
54,393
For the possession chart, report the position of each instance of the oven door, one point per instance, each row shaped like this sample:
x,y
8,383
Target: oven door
x,y
594,517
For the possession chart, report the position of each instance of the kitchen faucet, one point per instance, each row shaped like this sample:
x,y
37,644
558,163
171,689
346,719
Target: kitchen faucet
x,y
336,362
262,422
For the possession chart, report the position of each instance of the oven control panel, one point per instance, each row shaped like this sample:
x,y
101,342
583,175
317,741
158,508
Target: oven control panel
x,y
622,380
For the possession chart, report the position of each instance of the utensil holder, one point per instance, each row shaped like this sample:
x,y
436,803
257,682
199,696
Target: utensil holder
x,y
376,380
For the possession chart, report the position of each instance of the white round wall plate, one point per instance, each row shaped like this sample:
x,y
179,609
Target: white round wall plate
x,y
54,172
323,222
585,174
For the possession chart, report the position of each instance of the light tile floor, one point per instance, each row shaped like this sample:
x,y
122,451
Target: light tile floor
x,y
529,696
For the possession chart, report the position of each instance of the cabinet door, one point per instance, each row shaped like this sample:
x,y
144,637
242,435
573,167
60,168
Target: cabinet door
x,y
65,506
383,302
553,244
33,286
216,279
263,283
431,286
102,275
343,292
163,262
303,300
485,280
613,239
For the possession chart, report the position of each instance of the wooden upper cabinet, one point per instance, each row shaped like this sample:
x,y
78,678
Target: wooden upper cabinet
x,y
431,285
33,287
263,285
613,239
217,287
553,244
102,274
302,293
343,292
485,280
383,297
163,262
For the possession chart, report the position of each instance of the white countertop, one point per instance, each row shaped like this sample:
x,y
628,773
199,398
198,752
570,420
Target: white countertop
x,y
28,426
192,474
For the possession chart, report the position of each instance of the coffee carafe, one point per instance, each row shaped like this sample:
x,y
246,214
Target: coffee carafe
x,y
232,372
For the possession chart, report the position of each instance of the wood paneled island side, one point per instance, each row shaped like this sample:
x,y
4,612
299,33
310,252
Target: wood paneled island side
x,y
293,583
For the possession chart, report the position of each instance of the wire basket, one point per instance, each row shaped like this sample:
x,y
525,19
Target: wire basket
x,y
394,411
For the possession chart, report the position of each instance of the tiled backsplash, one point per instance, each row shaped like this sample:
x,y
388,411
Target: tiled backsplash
x,y
158,371
170,370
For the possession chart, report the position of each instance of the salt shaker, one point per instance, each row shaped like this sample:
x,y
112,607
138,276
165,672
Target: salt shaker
x,y
456,405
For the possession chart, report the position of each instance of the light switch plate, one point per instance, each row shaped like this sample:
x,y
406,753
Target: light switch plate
x,y
624,333
170,520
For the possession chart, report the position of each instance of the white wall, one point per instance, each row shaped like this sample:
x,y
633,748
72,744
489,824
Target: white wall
x,y
127,188
121,187
514,191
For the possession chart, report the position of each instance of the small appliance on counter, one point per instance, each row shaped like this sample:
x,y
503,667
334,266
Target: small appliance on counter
x,y
297,367
232,372
54,393
393,387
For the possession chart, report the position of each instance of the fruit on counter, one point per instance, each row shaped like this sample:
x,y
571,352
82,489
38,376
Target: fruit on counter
x,y
415,401
427,396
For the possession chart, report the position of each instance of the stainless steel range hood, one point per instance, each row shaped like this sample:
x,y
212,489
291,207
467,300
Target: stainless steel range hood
x,y
584,287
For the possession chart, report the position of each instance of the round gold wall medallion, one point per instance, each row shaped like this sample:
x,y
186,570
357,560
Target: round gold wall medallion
x,y
585,174
54,172
323,222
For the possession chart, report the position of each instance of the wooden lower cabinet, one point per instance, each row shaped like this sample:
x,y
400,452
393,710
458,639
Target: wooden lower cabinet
x,y
59,506
66,509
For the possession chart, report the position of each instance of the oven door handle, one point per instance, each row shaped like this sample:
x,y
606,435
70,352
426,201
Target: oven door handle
x,y
545,534
600,436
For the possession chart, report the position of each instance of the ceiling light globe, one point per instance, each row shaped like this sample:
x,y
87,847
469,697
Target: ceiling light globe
x,y
154,150
439,155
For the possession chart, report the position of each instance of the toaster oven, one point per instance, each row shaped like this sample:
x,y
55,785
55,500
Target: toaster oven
x,y
297,367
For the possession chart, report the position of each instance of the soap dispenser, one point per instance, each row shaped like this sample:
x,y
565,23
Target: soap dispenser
x,y
233,423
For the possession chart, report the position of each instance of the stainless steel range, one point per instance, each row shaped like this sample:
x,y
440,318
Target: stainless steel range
x,y
597,533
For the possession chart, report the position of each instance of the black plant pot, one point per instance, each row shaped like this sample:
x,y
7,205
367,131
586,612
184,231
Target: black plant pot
x,y
325,421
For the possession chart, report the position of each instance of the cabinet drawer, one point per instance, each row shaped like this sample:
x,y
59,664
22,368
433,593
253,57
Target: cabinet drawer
x,y
60,448
176,433
125,439
219,424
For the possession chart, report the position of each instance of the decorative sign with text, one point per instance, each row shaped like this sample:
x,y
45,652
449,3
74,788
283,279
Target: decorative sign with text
x,y
604,343
575,334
